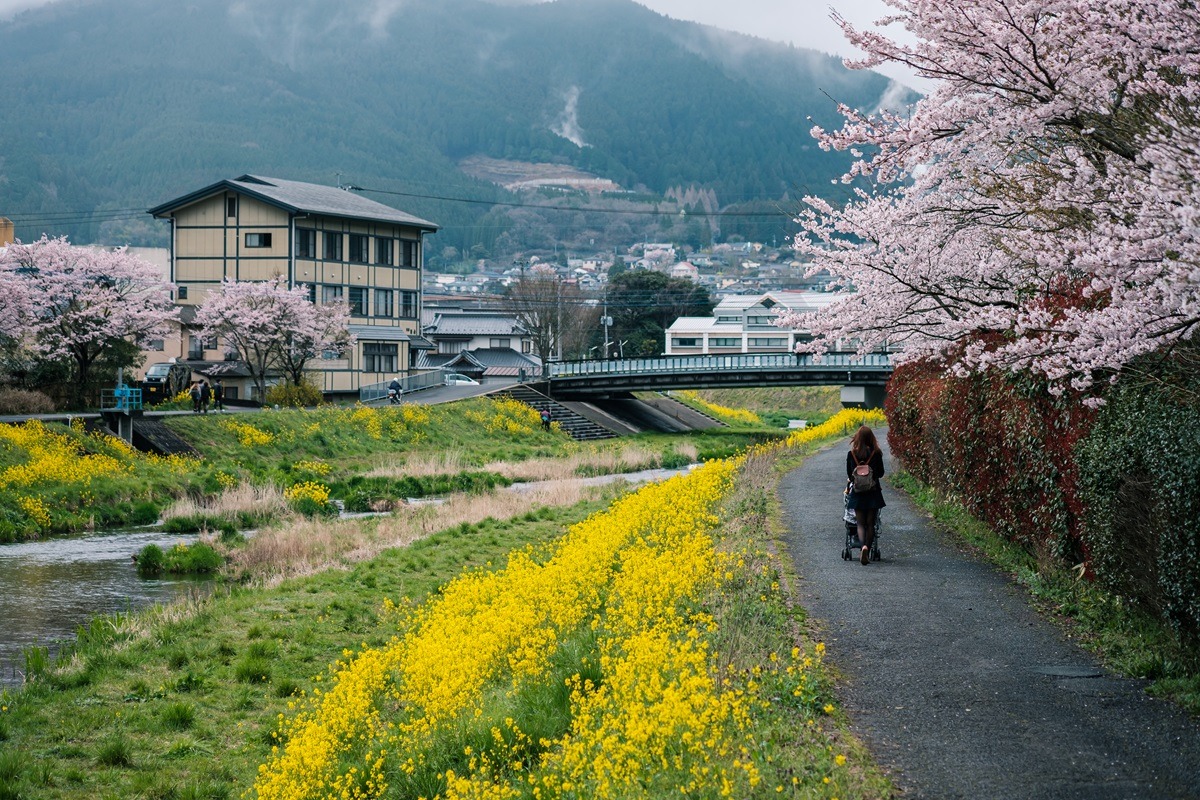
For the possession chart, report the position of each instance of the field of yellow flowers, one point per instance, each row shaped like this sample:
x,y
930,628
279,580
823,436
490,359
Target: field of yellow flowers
x,y
590,668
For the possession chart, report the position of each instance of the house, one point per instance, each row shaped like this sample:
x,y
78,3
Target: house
x,y
478,342
344,247
745,324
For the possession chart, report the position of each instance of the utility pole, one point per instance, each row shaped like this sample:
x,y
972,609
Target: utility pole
x,y
606,320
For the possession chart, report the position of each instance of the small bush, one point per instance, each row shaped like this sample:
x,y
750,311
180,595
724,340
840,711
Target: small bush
x,y
287,396
144,514
179,716
115,751
24,401
253,669
151,560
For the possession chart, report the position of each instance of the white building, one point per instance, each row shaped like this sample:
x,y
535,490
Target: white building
x,y
745,324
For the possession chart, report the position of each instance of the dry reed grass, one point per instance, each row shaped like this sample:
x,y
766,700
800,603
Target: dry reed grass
x,y
256,500
590,459
298,546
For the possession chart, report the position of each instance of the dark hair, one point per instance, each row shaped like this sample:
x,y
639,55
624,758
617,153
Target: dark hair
x,y
863,444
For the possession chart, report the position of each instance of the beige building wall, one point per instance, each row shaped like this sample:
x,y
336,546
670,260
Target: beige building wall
x,y
210,245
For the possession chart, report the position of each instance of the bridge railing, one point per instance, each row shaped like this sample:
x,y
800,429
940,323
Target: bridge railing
x,y
742,363
409,383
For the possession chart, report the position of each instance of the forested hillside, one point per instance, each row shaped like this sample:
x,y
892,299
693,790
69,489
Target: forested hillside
x,y
117,105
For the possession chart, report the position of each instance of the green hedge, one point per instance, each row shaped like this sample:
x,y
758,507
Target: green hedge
x,y
1140,487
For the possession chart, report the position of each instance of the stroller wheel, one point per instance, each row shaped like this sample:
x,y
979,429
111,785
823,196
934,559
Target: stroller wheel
x,y
845,554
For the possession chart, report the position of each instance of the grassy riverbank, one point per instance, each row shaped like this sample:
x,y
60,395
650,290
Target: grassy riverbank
x,y
187,702
55,478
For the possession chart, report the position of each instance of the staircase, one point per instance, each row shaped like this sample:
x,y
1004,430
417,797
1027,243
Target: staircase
x,y
576,426
151,436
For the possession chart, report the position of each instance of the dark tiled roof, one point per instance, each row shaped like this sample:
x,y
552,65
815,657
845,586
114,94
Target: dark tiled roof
x,y
303,198
469,324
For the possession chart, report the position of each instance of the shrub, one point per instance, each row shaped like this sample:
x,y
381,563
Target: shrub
x,y
1141,488
151,560
24,401
179,716
288,396
115,752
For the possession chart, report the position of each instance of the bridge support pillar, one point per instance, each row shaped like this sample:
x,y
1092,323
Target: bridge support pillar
x,y
862,396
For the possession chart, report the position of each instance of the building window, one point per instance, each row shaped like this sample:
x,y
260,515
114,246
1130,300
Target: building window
x,y
210,343
383,250
331,294
688,342
156,344
258,240
333,246
183,292
758,341
379,357
312,293
725,341
724,318
526,346
231,355
358,301
408,305
231,207
499,343
358,248
306,243
195,349
408,253
760,320
385,303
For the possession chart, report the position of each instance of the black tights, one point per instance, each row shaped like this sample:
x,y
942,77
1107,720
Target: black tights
x,y
866,525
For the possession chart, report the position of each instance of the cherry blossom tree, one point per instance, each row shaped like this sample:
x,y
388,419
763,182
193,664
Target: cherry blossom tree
x,y
1039,209
273,327
81,304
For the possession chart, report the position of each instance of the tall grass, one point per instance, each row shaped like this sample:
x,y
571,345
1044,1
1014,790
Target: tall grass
x,y
303,547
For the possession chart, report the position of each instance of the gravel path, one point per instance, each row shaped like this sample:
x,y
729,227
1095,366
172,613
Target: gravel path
x,y
958,688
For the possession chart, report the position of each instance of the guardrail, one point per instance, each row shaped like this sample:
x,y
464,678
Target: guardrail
x,y
122,398
742,363
409,383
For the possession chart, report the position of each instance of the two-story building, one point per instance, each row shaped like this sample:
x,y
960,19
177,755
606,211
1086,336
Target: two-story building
x,y
745,324
342,246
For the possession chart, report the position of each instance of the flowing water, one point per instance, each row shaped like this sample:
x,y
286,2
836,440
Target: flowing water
x,y
49,588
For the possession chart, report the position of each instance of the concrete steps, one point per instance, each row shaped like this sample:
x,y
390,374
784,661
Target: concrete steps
x,y
576,426
151,436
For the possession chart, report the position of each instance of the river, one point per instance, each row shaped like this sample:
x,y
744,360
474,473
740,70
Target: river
x,y
50,587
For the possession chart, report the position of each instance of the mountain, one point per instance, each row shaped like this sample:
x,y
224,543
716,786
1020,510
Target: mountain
x,y
114,106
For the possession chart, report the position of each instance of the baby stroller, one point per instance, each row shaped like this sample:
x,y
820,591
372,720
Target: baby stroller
x,y
852,546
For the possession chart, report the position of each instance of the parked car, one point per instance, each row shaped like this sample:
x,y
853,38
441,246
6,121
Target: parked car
x,y
454,379
164,380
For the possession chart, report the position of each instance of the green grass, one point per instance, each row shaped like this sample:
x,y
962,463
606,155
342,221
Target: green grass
x,y
1128,640
186,704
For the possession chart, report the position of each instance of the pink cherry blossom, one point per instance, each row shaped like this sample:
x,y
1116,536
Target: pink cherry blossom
x,y
272,327
62,301
1045,190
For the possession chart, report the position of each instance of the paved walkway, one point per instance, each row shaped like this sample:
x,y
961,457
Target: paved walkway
x,y
956,686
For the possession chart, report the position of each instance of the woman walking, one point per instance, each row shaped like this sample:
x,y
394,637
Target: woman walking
x,y
864,468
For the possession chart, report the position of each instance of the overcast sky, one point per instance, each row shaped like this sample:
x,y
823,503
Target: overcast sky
x,y
804,23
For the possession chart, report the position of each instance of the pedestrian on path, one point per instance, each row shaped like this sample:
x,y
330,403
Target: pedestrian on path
x,y
864,468
195,393
205,395
218,395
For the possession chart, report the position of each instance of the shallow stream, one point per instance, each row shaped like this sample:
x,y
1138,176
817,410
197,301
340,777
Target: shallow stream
x,y
49,588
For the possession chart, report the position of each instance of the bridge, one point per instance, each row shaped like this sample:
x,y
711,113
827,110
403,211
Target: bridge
x,y
862,378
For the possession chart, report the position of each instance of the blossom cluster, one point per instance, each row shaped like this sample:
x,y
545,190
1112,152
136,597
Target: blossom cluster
x,y
52,458
611,615
248,435
721,412
308,490
507,416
